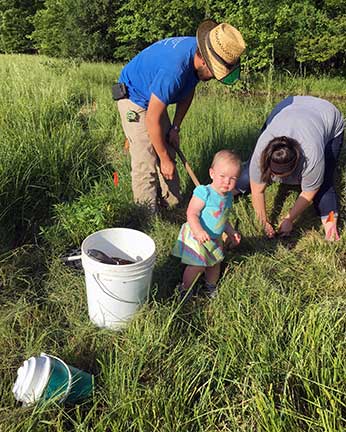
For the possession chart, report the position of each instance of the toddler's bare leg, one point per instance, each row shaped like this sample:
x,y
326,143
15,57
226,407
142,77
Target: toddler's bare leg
x,y
212,274
191,274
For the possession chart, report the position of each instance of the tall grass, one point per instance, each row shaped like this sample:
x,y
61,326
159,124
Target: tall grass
x,y
53,134
266,355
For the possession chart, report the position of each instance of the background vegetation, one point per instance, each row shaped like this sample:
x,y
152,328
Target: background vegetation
x,y
268,354
304,35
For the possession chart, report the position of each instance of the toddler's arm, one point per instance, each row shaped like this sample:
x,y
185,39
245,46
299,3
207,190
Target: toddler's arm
x,y
234,236
193,212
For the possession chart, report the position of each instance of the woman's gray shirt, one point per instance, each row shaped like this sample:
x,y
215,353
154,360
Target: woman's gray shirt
x,y
311,121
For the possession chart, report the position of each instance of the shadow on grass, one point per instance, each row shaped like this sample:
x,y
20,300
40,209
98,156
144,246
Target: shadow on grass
x,y
166,277
169,272
176,214
254,244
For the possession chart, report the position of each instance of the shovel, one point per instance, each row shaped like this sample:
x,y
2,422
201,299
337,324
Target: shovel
x,y
187,166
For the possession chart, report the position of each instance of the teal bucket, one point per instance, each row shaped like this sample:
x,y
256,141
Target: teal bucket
x,y
67,383
45,378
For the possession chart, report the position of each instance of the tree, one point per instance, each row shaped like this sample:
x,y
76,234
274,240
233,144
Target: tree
x,y
142,22
75,28
259,22
323,38
16,25
278,33
282,33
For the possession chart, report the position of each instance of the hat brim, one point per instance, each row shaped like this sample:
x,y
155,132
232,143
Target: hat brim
x,y
217,69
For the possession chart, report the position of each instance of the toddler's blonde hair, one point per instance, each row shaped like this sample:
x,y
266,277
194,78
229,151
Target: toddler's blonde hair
x,y
226,155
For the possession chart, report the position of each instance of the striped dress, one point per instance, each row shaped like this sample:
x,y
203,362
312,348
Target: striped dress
x,y
213,219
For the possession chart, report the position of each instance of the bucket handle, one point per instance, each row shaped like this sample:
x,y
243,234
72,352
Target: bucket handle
x,y
105,290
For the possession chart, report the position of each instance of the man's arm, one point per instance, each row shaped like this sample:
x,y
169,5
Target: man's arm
x,y
156,109
180,111
182,108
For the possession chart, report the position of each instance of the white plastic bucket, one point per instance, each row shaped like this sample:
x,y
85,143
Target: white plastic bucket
x,y
115,292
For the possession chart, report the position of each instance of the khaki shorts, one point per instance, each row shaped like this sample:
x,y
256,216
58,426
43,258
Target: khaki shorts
x,y
148,184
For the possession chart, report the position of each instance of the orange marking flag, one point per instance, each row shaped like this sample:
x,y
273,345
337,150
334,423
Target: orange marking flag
x,y
115,179
330,217
332,233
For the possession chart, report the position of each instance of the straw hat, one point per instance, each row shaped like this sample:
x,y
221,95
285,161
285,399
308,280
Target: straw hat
x,y
220,45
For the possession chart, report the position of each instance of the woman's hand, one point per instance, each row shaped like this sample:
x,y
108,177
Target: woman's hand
x,y
303,201
286,227
269,230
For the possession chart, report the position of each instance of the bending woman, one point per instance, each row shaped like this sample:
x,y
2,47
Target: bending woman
x,y
300,144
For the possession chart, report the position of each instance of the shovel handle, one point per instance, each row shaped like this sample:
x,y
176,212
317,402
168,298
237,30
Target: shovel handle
x,y
187,166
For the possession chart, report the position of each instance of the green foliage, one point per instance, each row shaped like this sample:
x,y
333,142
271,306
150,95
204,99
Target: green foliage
x,y
326,42
71,28
167,19
256,21
104,206
282,33
279,33
16,25
52,134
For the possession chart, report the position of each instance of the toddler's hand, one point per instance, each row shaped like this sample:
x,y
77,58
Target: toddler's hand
x,y
235,238
232,240
201,236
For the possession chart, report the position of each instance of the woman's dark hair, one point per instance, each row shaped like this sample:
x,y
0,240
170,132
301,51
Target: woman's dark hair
x,y
280,156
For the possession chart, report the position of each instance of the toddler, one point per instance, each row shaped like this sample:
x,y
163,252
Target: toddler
x,y
199,244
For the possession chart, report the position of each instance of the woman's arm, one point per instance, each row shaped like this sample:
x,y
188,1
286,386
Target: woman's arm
x,y
193,212
302,202
259,205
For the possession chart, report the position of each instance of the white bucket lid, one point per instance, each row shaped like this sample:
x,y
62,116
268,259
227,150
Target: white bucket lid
x,y
32,378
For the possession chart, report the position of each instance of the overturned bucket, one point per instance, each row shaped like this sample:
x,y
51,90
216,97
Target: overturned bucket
x,y
115,292
48,377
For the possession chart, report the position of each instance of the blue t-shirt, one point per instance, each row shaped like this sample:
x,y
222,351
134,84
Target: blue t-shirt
x,y
165,68
214,215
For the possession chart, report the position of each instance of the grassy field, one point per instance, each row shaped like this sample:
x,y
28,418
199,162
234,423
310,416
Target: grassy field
x,y
268,354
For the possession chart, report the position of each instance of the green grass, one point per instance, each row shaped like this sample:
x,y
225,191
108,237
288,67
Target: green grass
x,y
266,355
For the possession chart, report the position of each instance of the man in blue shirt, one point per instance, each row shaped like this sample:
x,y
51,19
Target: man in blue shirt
x,y
165,73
